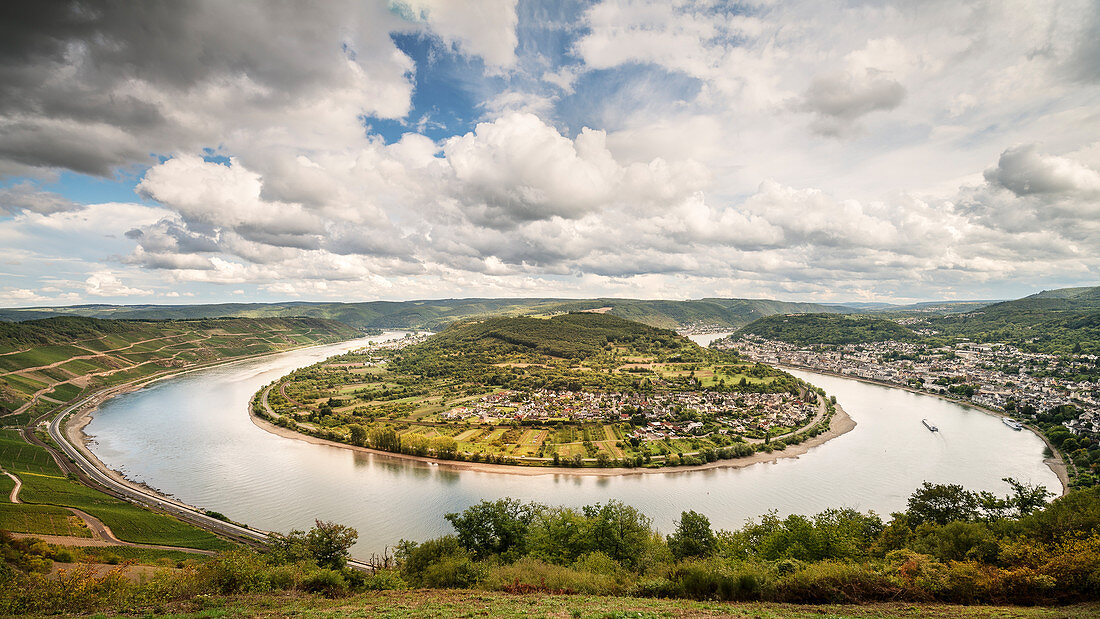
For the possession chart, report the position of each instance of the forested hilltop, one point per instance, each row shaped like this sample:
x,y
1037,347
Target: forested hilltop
x,y
579,389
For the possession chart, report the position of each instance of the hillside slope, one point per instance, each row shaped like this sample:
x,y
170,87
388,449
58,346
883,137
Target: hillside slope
x,y
47,362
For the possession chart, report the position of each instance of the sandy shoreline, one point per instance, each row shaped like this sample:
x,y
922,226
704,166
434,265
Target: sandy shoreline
x,y
1056,464
840,424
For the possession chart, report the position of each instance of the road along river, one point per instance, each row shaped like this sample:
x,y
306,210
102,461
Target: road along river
x,y
191,436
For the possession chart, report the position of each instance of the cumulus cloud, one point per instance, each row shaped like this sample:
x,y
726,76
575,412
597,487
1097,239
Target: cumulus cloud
x,y
644,148
107,284
1024,171
485,28
839,99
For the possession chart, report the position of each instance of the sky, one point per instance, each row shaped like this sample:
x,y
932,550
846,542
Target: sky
x,y
210,151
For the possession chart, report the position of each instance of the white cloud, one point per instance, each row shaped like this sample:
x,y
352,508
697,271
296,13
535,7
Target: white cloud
x,y
485,28
107,284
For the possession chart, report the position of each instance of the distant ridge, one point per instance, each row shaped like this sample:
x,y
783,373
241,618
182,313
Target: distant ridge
x,y
434,314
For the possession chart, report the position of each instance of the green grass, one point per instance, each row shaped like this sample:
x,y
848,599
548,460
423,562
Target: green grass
x,y
128,522
439,604
15,421
142,556
21,383
6,484
39,520
42,355
21,458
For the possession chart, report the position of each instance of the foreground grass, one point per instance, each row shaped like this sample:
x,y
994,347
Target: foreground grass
x,y
459,603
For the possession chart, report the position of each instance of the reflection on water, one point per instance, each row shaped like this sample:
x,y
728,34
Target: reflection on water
x,y
191,436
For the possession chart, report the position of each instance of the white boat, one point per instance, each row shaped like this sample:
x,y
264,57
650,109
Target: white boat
x,y
929,425
1012,423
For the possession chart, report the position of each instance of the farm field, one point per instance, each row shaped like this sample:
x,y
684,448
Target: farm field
x,y
45,363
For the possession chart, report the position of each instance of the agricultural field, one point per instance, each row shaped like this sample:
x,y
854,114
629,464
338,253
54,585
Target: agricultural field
x,y
46,363
578,389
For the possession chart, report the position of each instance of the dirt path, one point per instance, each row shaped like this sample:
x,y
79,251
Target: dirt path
x,y
14,498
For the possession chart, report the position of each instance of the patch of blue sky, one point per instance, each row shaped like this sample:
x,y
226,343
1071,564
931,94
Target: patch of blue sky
x,y
86,189
447,90
609,98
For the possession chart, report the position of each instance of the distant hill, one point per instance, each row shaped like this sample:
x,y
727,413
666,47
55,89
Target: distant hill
x,y
1054,321
571,336
435,314
1063,320
811,329
1083,295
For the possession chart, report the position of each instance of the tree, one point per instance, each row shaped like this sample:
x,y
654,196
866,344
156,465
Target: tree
x,y
493,527
1026,498
326,544
941,503
693,537
357,434
330,542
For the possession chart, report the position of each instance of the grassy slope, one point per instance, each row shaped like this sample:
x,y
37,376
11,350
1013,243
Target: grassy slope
x,y
434,314
44,484
448,603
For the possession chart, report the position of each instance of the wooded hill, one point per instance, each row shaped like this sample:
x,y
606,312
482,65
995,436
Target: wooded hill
x,y
811,329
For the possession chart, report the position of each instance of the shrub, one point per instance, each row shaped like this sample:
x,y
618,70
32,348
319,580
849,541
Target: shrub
x,y
833,582
530,574
328,583
384,580
237,571
713,580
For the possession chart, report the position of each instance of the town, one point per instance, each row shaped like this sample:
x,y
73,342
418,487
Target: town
x,y
656,416
997,376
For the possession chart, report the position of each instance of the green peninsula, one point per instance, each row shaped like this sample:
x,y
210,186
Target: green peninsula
x,y
580,389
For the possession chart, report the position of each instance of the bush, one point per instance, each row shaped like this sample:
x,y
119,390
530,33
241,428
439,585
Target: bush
x,y
328,583
530,574
384,580
713,580
237,571
832,582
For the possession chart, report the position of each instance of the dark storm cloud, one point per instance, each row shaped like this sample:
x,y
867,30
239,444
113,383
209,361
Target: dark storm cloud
x,y
84,83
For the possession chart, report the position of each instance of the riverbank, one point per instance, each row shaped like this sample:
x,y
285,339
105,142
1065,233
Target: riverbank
x,y
840,424
1056,464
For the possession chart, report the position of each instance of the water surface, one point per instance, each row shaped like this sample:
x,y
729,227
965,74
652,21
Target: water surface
x,y
191,437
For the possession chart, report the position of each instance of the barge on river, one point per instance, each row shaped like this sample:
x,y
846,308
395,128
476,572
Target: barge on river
x,y
928,424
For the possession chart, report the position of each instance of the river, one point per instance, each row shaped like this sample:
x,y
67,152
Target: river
x,y
191,437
